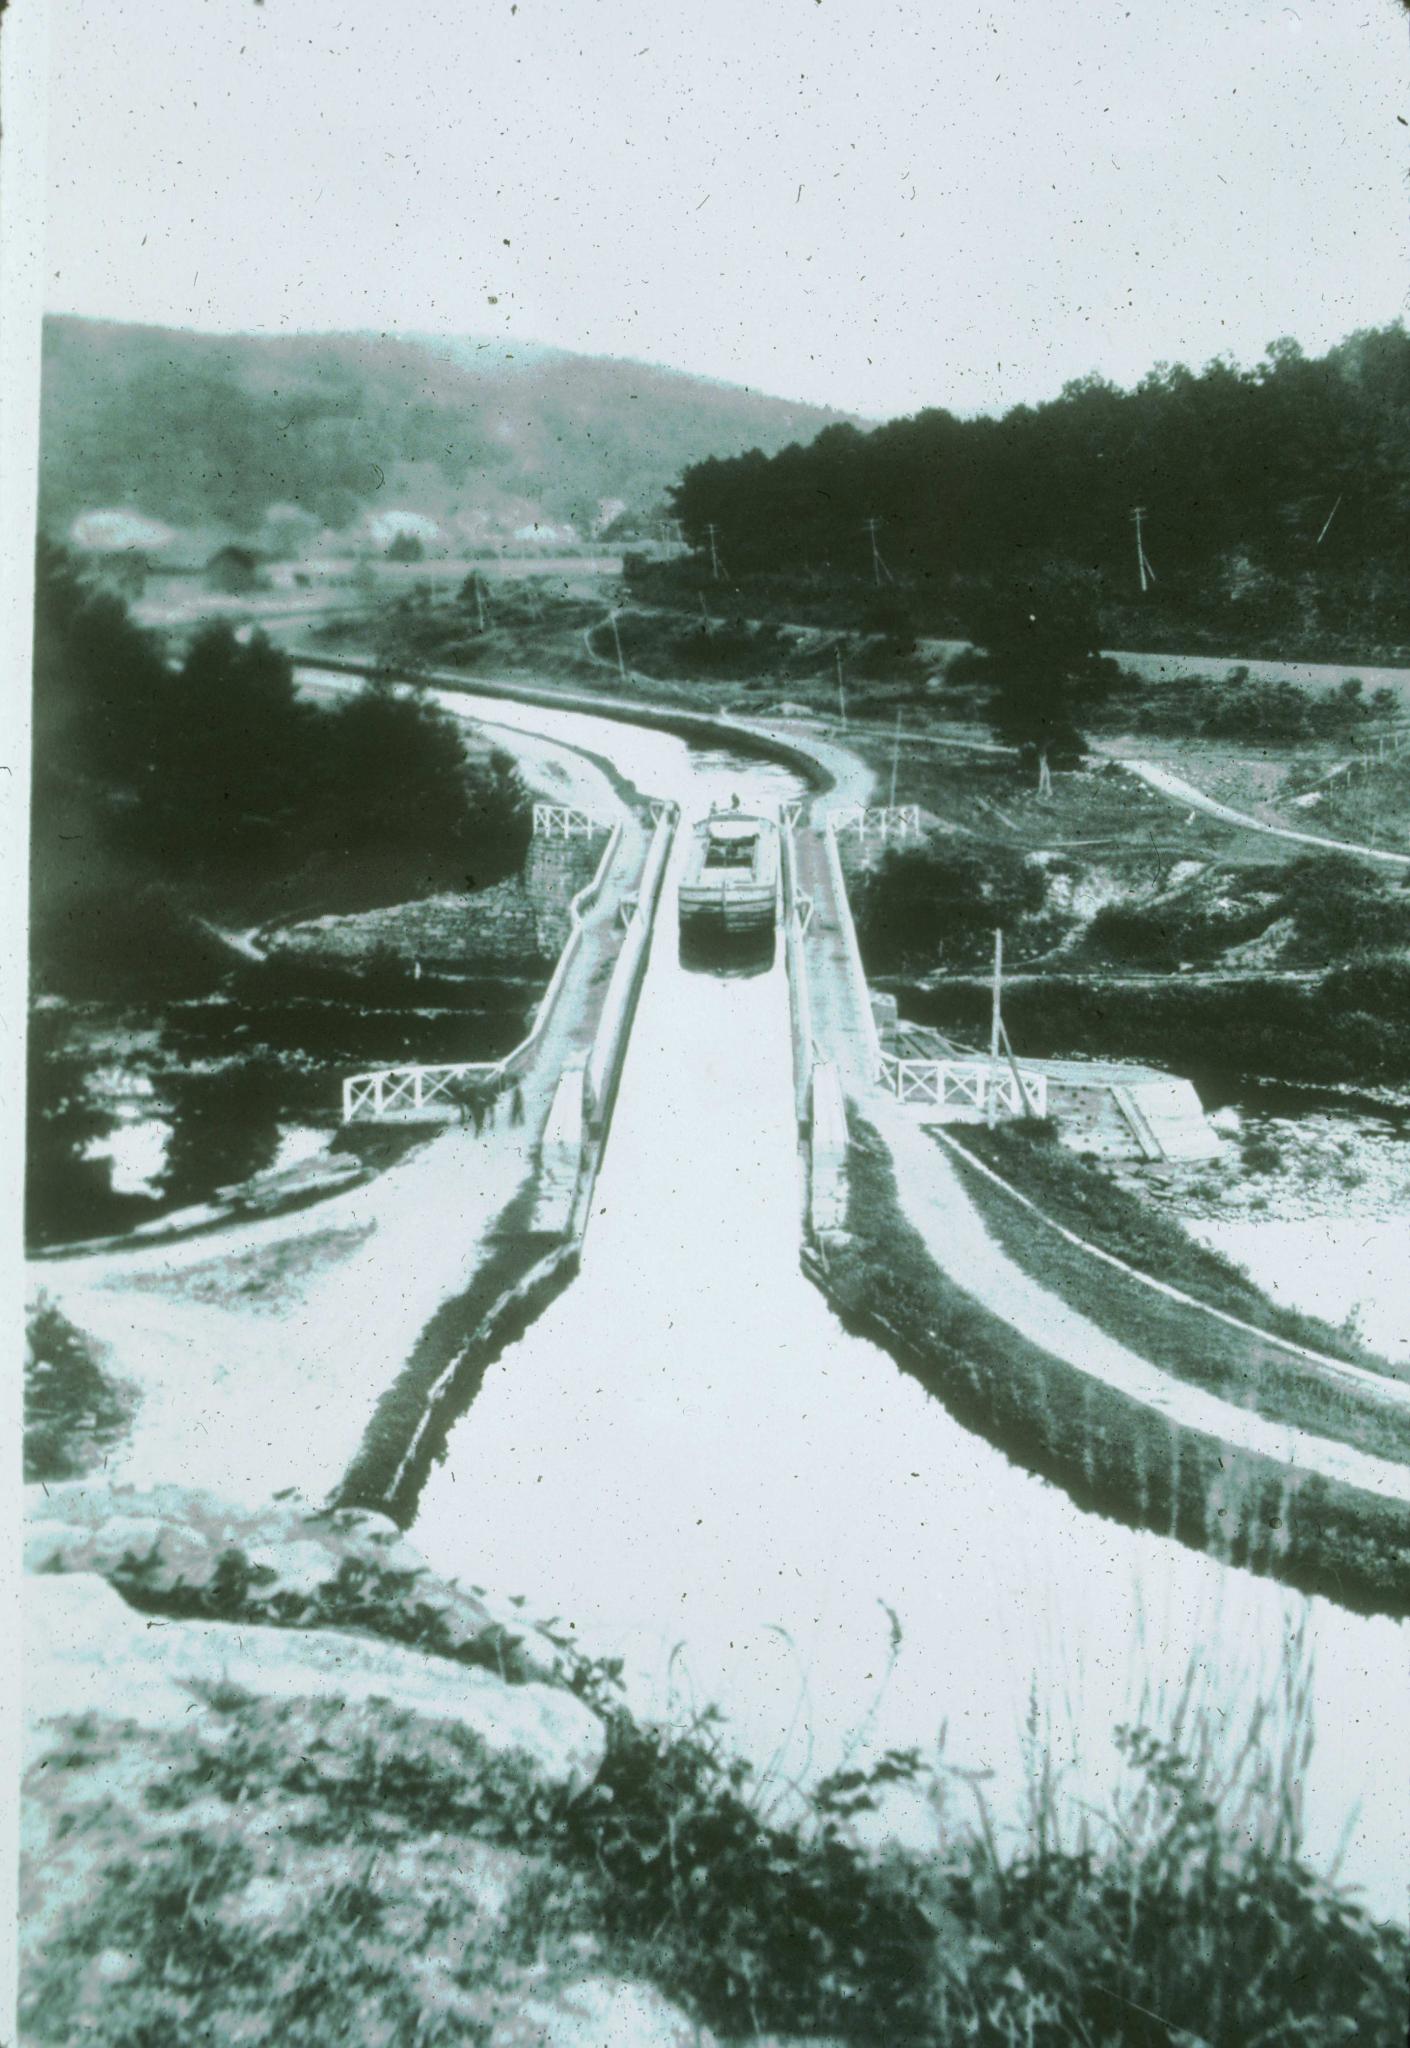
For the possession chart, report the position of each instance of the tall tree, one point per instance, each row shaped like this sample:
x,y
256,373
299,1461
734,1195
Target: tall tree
x,y
1036,651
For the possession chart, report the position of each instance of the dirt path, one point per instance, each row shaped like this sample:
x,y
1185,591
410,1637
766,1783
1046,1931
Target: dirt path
x,y
1181,792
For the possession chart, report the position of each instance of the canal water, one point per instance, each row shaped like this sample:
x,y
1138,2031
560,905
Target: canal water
x,y
689,1460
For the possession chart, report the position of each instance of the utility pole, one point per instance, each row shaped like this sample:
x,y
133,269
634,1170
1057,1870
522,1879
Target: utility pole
x,y
996,1025
711,530
621,664
841,689
895,756
878,567
1143,567
709,622
480,600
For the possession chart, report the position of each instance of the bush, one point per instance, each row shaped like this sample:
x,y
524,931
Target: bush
x,y
724,651
1340,904
943,900
1166,933
73,1413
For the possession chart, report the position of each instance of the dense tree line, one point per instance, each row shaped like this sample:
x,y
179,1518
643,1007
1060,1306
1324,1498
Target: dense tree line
x,y
1276,499
164,794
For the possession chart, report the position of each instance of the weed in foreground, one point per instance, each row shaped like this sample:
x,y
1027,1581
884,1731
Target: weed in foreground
x,y
1183,1912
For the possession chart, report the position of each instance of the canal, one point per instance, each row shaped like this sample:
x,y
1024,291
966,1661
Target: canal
x,y
691,1461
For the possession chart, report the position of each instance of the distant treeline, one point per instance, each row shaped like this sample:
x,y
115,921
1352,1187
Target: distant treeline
x,y
1276,501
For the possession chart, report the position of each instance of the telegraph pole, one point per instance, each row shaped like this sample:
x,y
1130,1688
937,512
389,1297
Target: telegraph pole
x,y
1143,567
996,1025
621,665
711,530
895,756
841,689
878,567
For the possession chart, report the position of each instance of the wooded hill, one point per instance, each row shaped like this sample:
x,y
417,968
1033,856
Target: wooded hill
x,y
210,431
1276,500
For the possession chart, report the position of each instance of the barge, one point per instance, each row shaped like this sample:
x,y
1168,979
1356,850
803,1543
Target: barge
x,y
728,894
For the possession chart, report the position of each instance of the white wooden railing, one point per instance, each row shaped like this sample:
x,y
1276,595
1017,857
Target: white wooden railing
x,y
879,821
562,821
411,1088
964,1087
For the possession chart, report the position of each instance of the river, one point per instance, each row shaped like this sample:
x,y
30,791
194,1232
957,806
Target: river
x,y
689,1459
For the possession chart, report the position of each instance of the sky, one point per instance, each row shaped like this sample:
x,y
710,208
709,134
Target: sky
x,y
872,204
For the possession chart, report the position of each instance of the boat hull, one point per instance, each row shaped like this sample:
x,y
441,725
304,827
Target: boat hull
x,y
727,898
719,911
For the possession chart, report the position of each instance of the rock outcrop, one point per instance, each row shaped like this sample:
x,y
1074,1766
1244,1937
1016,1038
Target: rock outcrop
x,y
178,1551
88,1653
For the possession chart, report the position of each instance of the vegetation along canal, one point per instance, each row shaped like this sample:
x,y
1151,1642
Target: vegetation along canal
x,y
690,1458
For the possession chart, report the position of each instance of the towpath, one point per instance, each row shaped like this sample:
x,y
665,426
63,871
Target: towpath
x,y
962,1247
261,1349
958,1240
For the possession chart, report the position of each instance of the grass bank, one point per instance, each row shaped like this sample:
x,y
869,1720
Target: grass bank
x,y
1236,1365
1086,1200
1111,1455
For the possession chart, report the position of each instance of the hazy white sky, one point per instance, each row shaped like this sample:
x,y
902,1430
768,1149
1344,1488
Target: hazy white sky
x,y
878,204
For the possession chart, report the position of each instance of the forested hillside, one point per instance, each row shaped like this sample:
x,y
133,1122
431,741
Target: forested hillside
x,y
199,430
1276,501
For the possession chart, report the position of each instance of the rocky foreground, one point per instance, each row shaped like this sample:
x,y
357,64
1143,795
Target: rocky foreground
x,y
274,1764
286,1787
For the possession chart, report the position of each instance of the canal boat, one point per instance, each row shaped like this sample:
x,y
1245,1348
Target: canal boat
x,y
728,892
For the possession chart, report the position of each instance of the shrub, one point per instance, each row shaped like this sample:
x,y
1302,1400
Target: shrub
x,y
1339,904
944,900
73,1412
